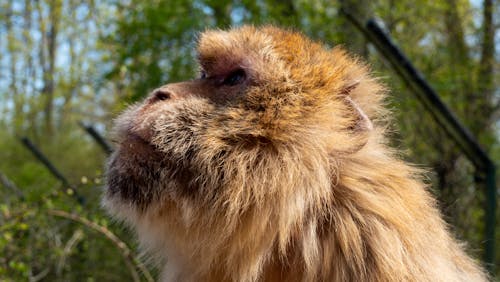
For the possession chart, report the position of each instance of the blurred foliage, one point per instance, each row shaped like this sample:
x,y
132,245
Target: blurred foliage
x,y
65,61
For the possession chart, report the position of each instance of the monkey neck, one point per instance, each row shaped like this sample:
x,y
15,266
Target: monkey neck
x,y
367,224
381,223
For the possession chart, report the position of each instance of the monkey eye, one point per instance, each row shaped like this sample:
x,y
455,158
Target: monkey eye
x,y
203,74
236,77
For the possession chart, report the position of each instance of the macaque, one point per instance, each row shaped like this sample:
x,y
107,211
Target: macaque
x,y
273,165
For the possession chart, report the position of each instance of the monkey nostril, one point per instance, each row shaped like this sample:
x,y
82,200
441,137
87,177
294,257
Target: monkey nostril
x,y
161,95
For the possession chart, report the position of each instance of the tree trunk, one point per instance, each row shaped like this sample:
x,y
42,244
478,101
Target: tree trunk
x,y
486,85
12,51
47,59
355,40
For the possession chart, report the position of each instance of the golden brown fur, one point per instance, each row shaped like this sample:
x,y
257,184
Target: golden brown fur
x,y
278,177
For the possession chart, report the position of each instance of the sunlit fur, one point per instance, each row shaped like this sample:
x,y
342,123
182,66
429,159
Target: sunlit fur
x,y
278,183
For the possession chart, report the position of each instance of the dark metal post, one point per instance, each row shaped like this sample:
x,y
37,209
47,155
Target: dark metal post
x,y
445,118
5,181
45,161
490,217
97,137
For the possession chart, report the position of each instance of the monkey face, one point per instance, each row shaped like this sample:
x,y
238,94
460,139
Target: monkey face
x,y
266,101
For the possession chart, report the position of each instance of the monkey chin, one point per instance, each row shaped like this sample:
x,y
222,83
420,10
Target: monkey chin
x,y
133,176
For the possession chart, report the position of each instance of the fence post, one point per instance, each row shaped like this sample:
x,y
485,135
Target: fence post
x,y
46,162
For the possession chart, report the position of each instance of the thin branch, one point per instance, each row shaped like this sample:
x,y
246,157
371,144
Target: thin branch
x,y
72,242
39,276
125,251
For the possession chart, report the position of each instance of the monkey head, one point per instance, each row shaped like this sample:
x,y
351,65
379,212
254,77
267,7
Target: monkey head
x,y
261,133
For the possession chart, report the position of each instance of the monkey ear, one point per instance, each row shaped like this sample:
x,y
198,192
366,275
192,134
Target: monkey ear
x,y
363,122
348,87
